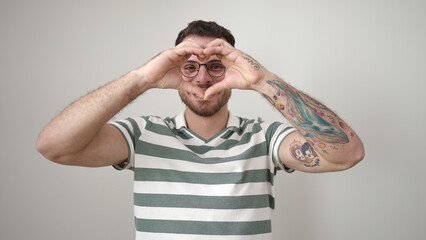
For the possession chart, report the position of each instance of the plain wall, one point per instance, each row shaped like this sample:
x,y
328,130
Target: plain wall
x,y
366,59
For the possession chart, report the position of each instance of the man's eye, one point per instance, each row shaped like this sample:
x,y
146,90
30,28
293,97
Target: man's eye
x,y
216,67
189,68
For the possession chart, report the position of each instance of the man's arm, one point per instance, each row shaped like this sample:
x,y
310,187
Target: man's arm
x,y
80,136
323,142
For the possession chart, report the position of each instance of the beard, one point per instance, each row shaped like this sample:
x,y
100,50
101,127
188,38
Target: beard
x,y
205,108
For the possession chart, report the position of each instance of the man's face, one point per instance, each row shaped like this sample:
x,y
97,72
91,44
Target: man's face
x,y
197,104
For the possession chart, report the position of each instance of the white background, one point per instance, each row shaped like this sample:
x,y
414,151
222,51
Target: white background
x,y
366,59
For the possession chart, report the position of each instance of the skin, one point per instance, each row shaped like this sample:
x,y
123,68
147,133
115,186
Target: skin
x,y
80,136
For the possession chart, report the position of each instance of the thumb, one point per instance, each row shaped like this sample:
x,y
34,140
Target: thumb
x,y
192,88
220,86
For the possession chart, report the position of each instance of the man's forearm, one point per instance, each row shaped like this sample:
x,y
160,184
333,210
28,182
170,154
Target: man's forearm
x,y
77,125
326,132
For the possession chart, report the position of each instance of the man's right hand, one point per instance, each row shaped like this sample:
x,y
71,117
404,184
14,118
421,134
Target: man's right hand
x,y
163,71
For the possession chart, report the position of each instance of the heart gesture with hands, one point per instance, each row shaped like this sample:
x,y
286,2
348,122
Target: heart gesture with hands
x,y
243,72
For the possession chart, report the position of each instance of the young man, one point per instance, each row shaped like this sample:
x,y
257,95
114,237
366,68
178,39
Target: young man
x,y
204,174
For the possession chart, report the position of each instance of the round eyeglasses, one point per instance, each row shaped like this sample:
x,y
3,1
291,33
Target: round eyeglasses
x,y
214,68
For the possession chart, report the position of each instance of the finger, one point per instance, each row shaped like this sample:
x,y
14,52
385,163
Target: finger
x,y
183,53
189,47
188,51
190,40
216,88
228,53
219,42
191,88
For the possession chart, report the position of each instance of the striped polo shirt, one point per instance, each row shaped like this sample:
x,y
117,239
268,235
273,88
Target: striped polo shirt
x,y
186,187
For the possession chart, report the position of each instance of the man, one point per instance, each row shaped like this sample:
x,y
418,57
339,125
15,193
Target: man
x,y
204,174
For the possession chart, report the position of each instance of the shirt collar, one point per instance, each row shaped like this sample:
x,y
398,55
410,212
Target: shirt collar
x,y
233,121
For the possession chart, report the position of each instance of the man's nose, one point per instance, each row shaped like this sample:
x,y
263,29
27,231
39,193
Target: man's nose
x,y
203,76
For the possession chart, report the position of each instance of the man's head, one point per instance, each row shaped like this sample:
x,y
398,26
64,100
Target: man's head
x,y
205,29
203,33
216,102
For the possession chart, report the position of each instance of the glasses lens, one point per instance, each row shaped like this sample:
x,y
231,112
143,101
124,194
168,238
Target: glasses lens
x,y
215,69
190,69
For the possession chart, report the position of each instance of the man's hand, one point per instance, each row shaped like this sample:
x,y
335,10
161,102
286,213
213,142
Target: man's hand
x,y
163,71
243,72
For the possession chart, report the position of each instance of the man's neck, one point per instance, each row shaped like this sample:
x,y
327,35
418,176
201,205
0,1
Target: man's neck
x,y
207,127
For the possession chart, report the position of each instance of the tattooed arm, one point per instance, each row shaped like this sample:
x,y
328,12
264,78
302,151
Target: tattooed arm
x,y
323,142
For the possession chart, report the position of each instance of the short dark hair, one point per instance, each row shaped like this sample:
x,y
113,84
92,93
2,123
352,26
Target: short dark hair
x,y
205,29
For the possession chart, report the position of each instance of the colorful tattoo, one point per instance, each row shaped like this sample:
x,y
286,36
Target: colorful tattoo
x,y
304,153
252,62
309,115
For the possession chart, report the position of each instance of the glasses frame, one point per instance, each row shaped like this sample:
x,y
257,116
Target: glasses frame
x,y
207,69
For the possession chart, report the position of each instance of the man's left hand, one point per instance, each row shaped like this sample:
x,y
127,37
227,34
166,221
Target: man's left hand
x,y
243,71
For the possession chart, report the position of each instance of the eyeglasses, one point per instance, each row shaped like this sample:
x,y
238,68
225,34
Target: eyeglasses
x,y
214,68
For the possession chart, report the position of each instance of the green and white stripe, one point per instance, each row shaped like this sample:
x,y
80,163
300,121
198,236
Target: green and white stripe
x,y
168,236
189,188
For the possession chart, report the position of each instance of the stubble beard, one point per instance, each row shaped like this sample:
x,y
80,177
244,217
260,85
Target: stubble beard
x,y
205,108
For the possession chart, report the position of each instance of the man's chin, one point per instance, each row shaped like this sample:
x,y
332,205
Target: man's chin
x,y
203,108
202,112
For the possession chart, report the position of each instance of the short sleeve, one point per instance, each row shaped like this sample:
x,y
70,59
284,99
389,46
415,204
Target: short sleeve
x,y
275,135
127,129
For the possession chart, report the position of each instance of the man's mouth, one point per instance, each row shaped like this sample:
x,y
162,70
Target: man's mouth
x,y
198,98
201,98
